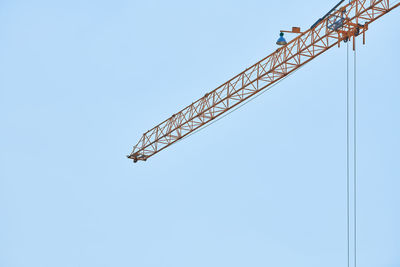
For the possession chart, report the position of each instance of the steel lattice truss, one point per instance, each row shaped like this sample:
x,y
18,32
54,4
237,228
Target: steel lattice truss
x,y
344,24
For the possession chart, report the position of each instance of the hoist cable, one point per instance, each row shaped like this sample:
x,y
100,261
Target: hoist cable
x,y
355,156
348,157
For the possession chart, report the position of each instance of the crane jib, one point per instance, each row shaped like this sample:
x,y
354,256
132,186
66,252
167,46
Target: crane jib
x,y
344,24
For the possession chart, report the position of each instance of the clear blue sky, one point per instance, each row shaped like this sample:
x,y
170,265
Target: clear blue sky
x,y
80,81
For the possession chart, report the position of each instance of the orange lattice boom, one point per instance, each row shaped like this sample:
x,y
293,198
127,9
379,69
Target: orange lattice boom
x,y
342,24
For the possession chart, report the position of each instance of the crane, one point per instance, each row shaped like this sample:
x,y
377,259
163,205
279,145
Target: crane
x,y
343,23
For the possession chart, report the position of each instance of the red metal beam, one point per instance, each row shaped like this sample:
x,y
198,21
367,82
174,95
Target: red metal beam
x,y
352,20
